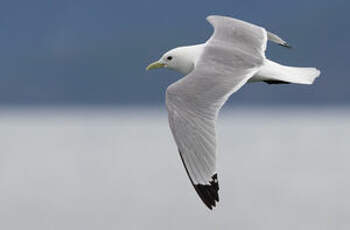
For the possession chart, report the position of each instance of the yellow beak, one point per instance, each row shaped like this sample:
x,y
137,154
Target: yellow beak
x,y
155,65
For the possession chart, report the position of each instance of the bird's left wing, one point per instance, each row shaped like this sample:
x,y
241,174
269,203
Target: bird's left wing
x,y
193,104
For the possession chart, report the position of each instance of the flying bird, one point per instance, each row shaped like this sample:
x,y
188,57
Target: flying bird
x,y
233,56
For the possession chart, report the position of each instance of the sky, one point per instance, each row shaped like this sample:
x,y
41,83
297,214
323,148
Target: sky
x,y
95,52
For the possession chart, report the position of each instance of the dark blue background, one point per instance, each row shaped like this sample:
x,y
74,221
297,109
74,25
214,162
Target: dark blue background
x,y
95,52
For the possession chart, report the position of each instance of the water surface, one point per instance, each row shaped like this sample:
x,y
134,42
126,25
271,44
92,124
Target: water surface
x,y
106,168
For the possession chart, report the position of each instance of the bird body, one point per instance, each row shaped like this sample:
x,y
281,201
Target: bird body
x,y
188,56
233,56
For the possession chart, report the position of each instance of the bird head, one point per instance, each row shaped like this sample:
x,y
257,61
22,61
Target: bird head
x,y
179,59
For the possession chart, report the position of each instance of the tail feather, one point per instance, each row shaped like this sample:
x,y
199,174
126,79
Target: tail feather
x,y
272,71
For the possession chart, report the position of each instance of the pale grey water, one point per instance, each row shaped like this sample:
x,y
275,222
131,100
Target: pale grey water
x,y
119,169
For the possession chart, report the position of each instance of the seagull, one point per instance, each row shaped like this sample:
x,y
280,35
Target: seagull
x,y
233,56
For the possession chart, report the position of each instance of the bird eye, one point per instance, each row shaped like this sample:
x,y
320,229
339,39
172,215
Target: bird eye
x,y
169,58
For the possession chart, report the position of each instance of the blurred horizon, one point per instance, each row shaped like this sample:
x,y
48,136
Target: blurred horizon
x,y
95,52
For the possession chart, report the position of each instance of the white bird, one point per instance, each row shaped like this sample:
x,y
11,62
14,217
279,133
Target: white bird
x,y
233,56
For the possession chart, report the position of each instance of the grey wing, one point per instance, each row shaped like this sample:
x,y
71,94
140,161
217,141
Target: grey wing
x,y
194,135
243,32
194,101
242,36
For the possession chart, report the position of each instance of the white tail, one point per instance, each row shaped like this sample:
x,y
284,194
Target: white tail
x,y
272,71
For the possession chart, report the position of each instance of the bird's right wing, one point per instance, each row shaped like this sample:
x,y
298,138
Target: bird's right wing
x,y
239,35
231,56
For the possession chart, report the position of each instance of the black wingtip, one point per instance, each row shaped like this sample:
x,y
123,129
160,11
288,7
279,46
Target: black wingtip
x,y
209,192
286,45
